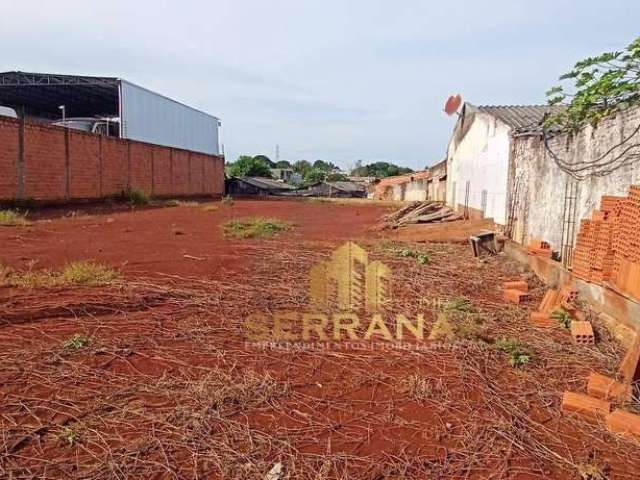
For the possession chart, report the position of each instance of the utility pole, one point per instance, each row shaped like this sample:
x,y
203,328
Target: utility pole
x,y
277,153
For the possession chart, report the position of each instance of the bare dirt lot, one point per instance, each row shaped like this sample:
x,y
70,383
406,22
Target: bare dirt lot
x,y
151,375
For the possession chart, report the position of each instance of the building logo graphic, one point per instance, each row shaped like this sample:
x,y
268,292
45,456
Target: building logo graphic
x,y
349,282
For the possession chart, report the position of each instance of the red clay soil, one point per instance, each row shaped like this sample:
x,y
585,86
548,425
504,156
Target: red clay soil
x,y
168,385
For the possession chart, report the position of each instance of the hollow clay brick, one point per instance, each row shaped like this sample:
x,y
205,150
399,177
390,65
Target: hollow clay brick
x,y
587,407
607,388
624,423
517,285
514,296
582,332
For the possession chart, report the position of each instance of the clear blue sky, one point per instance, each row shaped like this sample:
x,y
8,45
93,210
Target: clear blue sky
x,y
340,80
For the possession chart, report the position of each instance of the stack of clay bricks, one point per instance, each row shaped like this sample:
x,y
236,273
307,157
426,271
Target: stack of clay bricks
x,y
540,248
516,291
608,245
563,299
607,397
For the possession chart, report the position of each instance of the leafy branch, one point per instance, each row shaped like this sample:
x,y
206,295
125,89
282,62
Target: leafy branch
x,y
603,85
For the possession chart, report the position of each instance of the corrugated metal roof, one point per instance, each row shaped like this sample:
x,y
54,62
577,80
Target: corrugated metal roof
x,y
347,186
266,183
522,118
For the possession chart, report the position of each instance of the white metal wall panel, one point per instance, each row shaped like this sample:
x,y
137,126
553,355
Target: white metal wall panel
x,y
153,118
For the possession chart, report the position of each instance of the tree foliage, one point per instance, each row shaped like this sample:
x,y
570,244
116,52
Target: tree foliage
x,y
283,164
248,166
324,166
379,170
315,175
266,160
603,85
302,167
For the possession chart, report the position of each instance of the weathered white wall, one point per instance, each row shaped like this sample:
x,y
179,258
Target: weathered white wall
x,y
416,191
480,157
541,190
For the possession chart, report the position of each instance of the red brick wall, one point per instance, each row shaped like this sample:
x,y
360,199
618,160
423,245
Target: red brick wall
x,y
59,165
84,165
9,157
44,155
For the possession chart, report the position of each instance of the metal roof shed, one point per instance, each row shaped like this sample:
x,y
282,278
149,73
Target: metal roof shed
x,y
143,114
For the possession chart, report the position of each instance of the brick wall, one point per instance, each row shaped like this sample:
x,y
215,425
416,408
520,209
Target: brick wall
x,y
52,164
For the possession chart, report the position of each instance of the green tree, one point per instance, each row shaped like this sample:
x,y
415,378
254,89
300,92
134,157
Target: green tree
x,y
265,159
324,166
602,85
337,177
380,170
247,166
302,167
314,176
283,164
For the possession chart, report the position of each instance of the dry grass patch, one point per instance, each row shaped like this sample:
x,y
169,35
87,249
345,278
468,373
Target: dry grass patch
x,y
88,273
11,218
256,227
75,273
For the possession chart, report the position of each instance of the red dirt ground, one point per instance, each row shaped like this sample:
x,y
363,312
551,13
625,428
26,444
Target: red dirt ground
x,y
168,387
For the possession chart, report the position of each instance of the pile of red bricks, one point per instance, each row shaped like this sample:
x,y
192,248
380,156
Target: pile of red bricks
x,y
604,394
540,248
608,245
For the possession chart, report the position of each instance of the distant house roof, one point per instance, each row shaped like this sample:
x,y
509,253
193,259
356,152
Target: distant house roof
x,y
409,177
266,183
347,186
522,118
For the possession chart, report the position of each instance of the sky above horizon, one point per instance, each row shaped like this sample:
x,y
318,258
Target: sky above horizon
x,y
332,80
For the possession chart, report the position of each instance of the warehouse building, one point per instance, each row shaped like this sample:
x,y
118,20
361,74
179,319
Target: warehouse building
x,y
109,105
66,138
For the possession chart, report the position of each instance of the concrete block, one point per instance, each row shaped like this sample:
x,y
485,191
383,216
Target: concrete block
x,y
587,407
516,285
607,388
582,332
624,423
515,296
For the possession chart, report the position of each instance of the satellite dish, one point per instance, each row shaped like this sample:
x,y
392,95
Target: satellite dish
x,y
453,104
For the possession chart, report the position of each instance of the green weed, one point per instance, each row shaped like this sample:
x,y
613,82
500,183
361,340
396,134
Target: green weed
x,y
11,218
76,342
256,227
518,354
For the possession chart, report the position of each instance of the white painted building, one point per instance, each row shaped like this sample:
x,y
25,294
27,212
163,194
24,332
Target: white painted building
x,y
478,157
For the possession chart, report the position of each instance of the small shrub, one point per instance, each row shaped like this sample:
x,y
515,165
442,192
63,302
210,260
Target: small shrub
x,y
423,259
137,197
395,249
227,200
76,342
563,317
256,227
518,354
87,273
11,218
70,436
